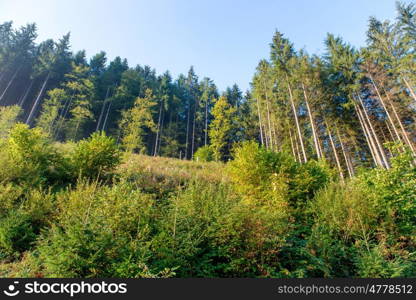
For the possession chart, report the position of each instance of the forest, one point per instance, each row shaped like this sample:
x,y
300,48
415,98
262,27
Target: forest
x,y
112,170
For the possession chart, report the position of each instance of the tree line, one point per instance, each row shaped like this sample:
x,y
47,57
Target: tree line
x,y
346,106
70,97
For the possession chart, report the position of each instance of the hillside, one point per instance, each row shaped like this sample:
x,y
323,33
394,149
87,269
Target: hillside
x,y
88,210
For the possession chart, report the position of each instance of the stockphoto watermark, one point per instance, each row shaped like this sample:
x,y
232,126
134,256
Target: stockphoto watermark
x,y
63,288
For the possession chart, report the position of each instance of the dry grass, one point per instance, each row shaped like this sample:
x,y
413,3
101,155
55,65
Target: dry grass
x,y
164,174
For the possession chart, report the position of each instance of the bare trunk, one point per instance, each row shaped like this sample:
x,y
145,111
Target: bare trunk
x,y
385,108
108,112
410,88
315,138
371,145
158,128
291,144
260,125
63,115
187,130
297,148
269,124
403,130
23,100
394,139
268,116
102,110
193,130
36,104
275,137
350,172
296,119
383,155
160,133
9,83
341,174
206,122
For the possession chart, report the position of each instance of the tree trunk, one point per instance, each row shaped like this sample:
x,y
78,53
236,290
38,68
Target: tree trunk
x,y
344,153
158,128
385,108
187,130
296,119
102,110
341,174
36,104
260,125
315,138
23,100
291,144
403,130
206,123
410,88
160,133
383,155
297,148
193,130
371,145
10,83
269,124
108,112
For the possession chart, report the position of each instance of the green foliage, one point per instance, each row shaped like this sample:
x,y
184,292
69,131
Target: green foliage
x,y
366,227
101,232
47,119
136,121
204,154
8,117
29,157
263,175
16,234
95,157
221,128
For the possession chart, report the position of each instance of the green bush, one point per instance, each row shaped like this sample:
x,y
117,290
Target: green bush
x,y
263,175
16,234
8,118
100,232
373,263
28,157
188,226
95,157
204,154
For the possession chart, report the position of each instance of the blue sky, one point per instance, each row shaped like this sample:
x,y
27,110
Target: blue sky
x,y
223,40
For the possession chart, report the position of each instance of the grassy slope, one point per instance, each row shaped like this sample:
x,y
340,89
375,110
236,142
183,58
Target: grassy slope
x,y
165,173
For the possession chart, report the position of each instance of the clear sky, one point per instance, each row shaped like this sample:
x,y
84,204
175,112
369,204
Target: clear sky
x,y
222,39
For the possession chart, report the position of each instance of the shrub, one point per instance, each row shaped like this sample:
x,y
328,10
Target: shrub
x,y
100,232
16,234
8,117
204,154
373,263
188,224
95,157
263,175
29,158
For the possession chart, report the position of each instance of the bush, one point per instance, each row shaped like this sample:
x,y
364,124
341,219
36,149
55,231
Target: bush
x,y
8,118
187,227
263,175
100,232
204,154
16,234
373,263
28,158
366,227
95,157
